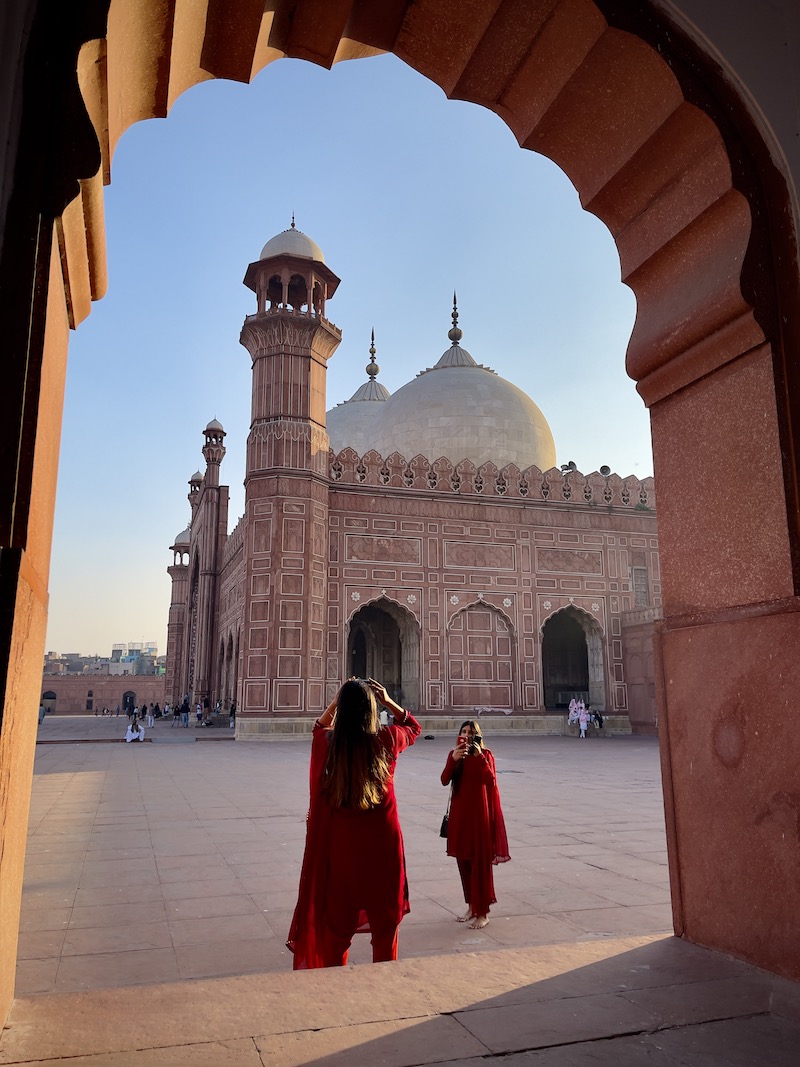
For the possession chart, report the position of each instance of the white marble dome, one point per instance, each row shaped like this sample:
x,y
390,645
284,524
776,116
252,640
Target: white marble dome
x,y
292,242
349,423
462,410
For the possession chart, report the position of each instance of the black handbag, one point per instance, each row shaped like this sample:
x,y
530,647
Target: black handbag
x,y
446,818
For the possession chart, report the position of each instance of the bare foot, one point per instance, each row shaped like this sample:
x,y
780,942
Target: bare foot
x,y
479,922
465,918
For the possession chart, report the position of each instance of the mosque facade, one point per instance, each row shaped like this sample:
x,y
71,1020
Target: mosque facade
x,y
427,538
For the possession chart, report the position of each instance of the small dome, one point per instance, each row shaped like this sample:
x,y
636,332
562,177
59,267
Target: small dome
x,y
349,423
292,242
196,478
214,427
182,538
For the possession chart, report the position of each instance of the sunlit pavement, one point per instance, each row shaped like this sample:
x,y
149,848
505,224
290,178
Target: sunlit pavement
x,y
173,867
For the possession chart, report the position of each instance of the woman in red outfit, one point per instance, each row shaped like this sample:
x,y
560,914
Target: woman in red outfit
x,y
353,877
476,832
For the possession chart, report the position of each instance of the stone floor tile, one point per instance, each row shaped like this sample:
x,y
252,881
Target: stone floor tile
x,y
219,928
190,886
89,940
98,915
40,944
649,918
237,1053
395,1043
212,871
114,969
40,919
203,860
37,976
218,958
768,1040
117,894
529,929
686,1004
112,876
786,999
553,1022
206,907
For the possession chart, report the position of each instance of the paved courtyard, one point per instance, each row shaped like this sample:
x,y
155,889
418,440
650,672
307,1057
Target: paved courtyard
x,y
161,879
180,858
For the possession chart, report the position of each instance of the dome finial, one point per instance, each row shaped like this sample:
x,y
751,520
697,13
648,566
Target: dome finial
x,y
293,226
455,334
372,367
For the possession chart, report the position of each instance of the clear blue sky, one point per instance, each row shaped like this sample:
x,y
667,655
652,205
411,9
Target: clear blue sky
x,y
410,196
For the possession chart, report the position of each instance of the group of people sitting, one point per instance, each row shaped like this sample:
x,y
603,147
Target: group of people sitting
x,y
584,716
353,878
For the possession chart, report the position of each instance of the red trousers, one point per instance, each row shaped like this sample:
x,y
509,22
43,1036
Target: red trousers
x,y
337,946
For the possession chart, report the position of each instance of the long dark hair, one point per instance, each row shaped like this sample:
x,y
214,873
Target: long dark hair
x,y
358,765
478,740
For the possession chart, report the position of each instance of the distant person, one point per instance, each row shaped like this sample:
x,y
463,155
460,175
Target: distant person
x,y
583,718
354,871
232,715
117,709
42,711
185,709
476,831
199,712
135,731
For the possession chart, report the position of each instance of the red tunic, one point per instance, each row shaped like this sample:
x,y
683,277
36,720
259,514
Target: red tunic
x,y
476,829
354,869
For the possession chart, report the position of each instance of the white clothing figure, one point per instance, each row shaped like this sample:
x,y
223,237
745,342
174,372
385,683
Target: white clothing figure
x,y
135,732
583,718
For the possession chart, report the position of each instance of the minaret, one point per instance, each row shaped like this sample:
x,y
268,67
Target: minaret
x,y
174,678
209,531
286,483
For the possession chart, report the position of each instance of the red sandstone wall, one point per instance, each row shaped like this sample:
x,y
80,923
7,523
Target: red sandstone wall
x,y
72,691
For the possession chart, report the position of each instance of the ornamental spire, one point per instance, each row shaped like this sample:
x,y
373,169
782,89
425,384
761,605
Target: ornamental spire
x,y
372,367
455,334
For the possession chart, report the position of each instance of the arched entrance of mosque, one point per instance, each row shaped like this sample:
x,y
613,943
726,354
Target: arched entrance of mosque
x,y
480,661
49,700
383,643
630,105
128,700
572,659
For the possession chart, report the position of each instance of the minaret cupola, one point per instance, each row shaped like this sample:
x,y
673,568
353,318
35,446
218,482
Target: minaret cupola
x,y
195,485
291,274
213,450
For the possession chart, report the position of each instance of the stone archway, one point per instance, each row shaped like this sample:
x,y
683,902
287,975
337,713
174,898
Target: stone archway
x,y
383,643
663,141
572,659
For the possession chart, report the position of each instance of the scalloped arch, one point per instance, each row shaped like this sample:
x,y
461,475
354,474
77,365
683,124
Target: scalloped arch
x,y
598,100
593,620
477,602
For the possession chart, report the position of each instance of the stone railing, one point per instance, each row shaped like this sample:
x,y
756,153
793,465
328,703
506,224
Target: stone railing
x,y
465,479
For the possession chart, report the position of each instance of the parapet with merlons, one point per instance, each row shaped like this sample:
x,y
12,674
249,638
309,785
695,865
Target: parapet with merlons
x,y
464,479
